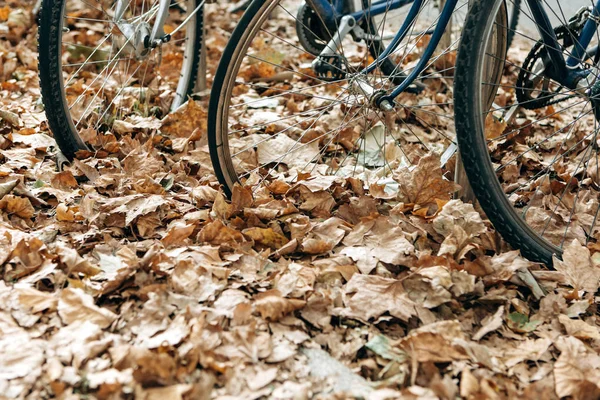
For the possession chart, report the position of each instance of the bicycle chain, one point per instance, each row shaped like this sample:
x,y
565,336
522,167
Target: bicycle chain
x,y
564,33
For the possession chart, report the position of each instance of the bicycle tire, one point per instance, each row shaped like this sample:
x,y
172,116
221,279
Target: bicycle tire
x,y
51,78
473,145
514,20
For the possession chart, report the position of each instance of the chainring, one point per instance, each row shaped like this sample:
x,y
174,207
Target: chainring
x,y
526,86
311,31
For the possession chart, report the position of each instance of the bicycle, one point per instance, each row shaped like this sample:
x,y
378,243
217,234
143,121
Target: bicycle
x,y
529,137
101,61
364,89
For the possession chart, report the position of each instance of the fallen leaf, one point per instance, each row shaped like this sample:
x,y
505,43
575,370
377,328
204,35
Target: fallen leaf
x,y
75,305
423,185
578,269
271,305
371,296
19,206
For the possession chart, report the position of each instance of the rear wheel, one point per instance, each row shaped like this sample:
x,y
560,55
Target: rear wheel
x,y
92,73
531,154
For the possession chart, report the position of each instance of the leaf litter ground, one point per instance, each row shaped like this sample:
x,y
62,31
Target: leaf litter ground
x,y
129,275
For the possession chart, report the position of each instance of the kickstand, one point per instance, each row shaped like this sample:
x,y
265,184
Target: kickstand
x,y
465,193
61,161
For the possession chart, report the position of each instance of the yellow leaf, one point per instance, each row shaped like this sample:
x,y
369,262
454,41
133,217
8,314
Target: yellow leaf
x,y
19,206
267,237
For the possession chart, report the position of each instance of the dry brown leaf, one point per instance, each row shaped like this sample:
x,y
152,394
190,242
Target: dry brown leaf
x,y
273,306
75,306
178,233
580,329
577,370
435,342
578,269
423,185
266,237
217,233
64,180
185,120
64,213
371,296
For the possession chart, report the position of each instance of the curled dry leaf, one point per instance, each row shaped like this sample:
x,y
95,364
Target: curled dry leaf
x,y
185,120
579,329
19,206
577,370
266,237
273,306
455,212
435,342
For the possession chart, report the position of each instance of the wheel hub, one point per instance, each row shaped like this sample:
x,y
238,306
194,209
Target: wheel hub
x,y
134,37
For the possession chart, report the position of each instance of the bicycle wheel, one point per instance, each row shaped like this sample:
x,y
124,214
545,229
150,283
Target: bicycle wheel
x,y
531,153
94,71
273,113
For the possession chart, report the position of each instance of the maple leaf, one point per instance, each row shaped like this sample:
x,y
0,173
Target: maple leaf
x,y
371,296
423,185
577,268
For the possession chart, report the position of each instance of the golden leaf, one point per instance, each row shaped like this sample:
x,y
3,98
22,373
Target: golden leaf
x,y
19,206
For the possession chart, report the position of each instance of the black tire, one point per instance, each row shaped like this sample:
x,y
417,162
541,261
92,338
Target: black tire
x,y
514,20
219,85
51,81
473,145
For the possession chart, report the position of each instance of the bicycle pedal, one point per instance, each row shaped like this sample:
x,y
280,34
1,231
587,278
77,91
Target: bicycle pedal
x,y
330,68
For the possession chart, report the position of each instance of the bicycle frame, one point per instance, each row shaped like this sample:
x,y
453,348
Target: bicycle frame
x,y
567,72
331,16
138,35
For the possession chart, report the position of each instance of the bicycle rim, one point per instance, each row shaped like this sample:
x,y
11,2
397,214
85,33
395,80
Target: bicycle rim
x,y
273,116
93,73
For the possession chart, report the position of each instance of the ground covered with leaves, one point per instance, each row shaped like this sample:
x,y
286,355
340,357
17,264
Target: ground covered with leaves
x,y
129,275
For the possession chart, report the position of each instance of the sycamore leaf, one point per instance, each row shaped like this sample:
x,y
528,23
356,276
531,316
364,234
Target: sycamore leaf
x,y
423,185
578,269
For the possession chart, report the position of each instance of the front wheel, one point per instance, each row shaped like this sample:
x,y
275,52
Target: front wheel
x,y
531,149
94,72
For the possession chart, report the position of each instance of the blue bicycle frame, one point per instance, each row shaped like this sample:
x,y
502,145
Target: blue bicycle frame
x,y
567,72
331,16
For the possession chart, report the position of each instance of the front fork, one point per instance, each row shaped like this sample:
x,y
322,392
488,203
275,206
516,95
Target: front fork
x,y
137,33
